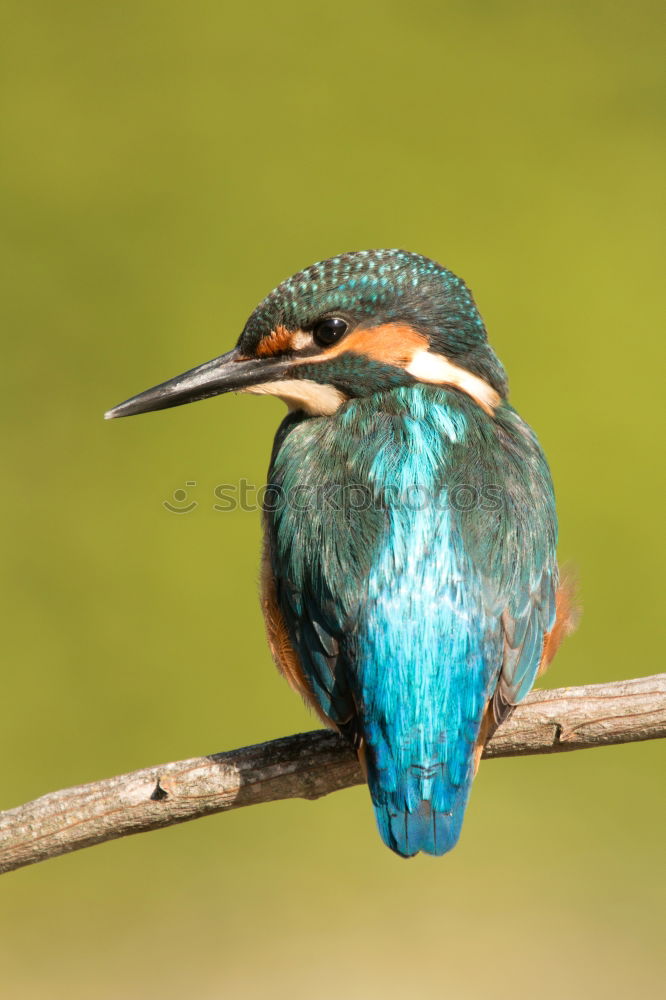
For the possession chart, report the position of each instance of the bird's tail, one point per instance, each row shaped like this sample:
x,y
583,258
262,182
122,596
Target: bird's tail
x,y
425,828
419,807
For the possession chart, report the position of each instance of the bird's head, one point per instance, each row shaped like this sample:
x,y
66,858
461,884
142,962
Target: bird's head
x,y
351,326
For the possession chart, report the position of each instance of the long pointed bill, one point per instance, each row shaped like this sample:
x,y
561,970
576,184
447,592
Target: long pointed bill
x,y
228,373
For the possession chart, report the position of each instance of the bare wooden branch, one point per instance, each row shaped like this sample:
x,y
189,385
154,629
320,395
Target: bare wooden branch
x,y
308,765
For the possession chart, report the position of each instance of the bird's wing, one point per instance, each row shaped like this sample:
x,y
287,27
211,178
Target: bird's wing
x,y
526,622
320,542
515,549
320,644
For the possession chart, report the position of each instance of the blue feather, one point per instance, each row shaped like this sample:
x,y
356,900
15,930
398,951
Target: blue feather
x,y
406,616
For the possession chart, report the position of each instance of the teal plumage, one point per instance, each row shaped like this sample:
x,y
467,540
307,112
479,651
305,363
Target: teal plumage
x,y
411,583
395,610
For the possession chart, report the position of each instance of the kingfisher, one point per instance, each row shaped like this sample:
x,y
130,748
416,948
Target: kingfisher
x,y
410,586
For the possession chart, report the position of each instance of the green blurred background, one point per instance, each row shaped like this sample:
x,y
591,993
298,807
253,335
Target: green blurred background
x,y
164,165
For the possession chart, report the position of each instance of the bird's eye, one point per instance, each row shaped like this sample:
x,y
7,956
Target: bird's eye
x,y
328,330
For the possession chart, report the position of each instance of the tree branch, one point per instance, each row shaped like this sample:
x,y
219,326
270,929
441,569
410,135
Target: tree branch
x,y
308,766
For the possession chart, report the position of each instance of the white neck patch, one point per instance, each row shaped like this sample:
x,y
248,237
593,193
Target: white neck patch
x,y
438,370
315,398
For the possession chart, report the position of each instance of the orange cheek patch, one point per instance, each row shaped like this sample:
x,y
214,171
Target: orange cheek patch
x,y
278,341
393,344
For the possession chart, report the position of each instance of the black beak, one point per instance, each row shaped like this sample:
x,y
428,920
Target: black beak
x,y
228,373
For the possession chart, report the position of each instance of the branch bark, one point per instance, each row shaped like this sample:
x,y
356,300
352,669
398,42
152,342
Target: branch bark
x,y
308,766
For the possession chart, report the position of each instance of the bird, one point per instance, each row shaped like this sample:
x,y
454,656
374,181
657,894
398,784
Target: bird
x,y
409,583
